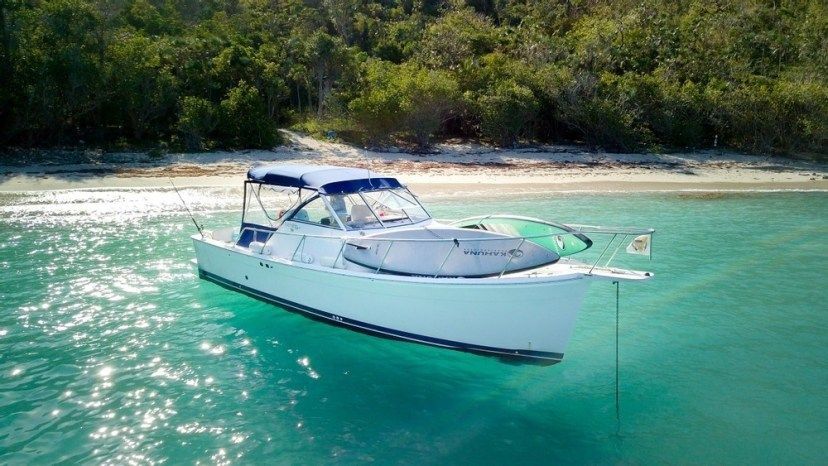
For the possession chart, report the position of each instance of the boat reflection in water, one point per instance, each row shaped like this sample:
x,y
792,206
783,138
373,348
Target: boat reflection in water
x,y
358,249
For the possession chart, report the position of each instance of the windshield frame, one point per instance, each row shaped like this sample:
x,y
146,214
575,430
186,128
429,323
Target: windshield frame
x,y
393,192
331,214
252,200
302,200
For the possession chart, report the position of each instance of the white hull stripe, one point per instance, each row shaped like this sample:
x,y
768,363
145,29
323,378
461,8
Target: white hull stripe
x,y
543,357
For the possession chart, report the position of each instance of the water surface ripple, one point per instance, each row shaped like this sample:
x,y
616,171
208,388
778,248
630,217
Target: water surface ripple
x,y
112,351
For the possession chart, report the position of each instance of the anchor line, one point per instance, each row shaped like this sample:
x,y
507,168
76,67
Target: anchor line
x,y
200,228
617,391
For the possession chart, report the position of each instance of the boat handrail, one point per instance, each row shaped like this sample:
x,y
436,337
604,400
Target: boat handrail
x,y
596,229
623,232
610,230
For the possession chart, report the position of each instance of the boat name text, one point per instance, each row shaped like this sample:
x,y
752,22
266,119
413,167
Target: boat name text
x,y
493,252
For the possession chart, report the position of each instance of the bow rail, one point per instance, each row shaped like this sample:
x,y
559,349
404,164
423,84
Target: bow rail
x,y
618,237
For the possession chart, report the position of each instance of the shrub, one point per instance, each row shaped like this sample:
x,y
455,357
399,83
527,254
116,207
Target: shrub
x,y
782,117
244,119
506,112
661,111
430,98
589,107
404,100
197,118
144,86
681,118
455,37
379,108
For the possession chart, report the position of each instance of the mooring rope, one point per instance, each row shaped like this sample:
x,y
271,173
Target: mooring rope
x,y
617,391
198,227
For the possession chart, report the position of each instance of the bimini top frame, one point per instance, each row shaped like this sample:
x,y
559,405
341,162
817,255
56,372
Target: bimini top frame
x,y
323,182
325,179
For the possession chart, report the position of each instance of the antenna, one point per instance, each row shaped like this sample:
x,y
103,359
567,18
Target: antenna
x,y
198,227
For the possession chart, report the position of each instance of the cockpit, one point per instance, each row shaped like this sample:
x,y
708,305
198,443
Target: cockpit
x,y
343,199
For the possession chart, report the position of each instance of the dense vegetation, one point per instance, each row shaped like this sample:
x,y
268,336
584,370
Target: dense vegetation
x,y
619,74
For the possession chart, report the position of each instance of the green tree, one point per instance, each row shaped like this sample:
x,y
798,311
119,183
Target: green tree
x,y
405,100
144,16
142,81
767,116
270,73
506,112
328,59
58,62
197,119
455,37
244,120
596,115
620,74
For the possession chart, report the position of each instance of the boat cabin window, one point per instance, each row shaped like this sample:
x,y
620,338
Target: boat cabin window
x,y
396,206
353,212
269,206
376,209
315,212
266,205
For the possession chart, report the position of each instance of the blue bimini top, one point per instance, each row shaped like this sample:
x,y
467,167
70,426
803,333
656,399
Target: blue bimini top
x,y
325,179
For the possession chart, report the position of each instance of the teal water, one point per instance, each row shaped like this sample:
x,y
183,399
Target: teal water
x,y
111,349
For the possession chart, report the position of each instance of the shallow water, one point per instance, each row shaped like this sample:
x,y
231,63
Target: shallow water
x,y
111,349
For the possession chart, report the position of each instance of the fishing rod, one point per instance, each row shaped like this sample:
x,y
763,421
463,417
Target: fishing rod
x,y
200,228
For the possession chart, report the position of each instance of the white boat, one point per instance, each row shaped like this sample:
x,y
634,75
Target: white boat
x,y
357,249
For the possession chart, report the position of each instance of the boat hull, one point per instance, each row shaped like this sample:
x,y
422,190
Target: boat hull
x,y
523,319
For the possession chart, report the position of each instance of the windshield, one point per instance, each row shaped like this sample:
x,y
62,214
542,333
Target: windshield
x,y
271,205
395,206
377,209
265,205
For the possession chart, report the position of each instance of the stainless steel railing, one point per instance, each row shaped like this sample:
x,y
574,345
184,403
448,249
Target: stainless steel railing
x,y
623,233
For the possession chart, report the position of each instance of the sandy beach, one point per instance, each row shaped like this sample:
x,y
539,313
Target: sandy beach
x,y
452,167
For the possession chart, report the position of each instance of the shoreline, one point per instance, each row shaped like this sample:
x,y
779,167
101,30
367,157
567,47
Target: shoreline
x,y
456,168
29,185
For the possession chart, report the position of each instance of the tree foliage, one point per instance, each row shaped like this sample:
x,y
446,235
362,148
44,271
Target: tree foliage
x,y
244,120
506,112
197,119
406,101
623,75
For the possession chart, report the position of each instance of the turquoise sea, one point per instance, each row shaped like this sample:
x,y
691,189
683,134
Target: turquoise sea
x,y
113,351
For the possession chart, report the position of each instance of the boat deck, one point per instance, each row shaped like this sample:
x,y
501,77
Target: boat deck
x,y
568,266
565,268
